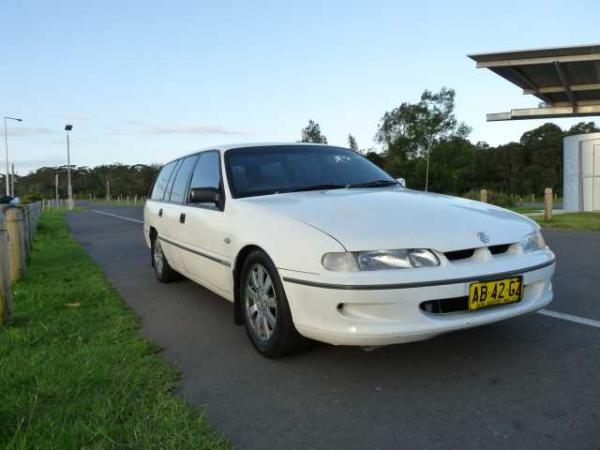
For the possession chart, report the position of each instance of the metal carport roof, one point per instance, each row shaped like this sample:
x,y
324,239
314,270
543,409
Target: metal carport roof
x,y
565,79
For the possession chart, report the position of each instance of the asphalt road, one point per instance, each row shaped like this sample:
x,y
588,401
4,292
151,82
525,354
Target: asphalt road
x,y
531,382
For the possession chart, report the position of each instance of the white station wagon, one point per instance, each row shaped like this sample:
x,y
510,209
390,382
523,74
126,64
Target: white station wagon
x,y
315,241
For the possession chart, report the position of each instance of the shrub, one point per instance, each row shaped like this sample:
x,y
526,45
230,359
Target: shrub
x,y
495,198
30,198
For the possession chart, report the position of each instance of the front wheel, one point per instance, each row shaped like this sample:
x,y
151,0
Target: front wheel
x,y
266,312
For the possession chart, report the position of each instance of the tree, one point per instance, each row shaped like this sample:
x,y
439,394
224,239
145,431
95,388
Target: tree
x,y
352,143
417,126
542,156
312,133
582,128
412,130
376,158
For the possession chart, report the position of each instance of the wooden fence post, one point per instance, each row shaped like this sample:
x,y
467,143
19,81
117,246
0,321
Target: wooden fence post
x,y
5,284
16,242
26,231
483,195
548,204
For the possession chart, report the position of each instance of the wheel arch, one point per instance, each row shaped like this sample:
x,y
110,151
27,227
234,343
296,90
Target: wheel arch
x,y
237,269
152,234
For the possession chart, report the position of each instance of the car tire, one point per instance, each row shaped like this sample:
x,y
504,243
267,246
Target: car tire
x,y
265,309
163,271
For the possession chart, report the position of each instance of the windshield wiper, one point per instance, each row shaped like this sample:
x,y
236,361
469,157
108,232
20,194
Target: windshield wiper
x,y
316,187
322,187
376,183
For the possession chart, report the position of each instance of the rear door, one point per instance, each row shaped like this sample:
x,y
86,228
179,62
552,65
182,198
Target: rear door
x,y
174,212
208,258
156,205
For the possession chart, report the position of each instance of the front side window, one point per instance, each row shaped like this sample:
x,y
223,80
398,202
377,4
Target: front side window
x,y
180,185
291,168
160,185
208,171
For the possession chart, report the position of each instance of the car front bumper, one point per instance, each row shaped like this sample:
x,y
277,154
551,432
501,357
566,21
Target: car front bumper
x,y
390,313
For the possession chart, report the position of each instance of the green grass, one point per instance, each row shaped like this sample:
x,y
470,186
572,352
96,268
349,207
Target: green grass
x,y
523,209
74,372
572,221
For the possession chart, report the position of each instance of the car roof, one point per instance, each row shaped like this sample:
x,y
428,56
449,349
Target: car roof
x,y
224,147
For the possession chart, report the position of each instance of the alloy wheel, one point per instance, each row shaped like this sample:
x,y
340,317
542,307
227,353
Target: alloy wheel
x,y
260,302
158,256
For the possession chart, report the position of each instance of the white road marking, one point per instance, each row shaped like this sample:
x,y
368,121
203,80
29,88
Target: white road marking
x,y
570,318
129,219
544,312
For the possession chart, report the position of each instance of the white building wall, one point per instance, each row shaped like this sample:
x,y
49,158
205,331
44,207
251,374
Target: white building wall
x,y
581,179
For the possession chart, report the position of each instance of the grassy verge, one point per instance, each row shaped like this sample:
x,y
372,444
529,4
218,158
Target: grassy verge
x,y
572,221
523,209
74,372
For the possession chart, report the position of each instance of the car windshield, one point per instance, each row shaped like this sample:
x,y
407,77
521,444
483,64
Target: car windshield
x,y
292,168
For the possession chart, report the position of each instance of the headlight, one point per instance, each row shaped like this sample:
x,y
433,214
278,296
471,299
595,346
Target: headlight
x,y
379,260
532,242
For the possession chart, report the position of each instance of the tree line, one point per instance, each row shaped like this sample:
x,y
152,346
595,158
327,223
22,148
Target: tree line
x,y
412,133
98,182
411,137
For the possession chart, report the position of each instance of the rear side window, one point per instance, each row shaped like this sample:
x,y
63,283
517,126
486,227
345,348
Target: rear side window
x,y
180,185
208,171
162,180
172,179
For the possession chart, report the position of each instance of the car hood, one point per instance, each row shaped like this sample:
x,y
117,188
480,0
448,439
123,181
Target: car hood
x,y
385,218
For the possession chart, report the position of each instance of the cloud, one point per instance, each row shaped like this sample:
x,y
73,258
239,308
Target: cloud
x,y
190,129
18,131
23,167
193,129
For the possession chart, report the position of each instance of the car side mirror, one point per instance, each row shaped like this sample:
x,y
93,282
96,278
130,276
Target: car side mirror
x,y
205,195
402,181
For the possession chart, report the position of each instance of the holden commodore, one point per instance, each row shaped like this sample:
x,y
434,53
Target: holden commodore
x,y
310,241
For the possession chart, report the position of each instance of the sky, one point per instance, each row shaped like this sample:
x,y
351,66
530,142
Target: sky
x,y
147,81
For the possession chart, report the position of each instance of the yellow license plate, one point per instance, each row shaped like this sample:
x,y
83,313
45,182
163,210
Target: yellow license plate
x,y
498,292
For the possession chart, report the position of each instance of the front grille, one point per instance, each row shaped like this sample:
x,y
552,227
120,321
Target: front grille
x,y
446,305
459,254
499,249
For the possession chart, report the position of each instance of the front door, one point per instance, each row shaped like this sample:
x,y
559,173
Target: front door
x,y
209,258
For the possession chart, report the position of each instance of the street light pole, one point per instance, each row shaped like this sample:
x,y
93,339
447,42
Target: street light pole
x,y
6,119
429,147
70,204
427,170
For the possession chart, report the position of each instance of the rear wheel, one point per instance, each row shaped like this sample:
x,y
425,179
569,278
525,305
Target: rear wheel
x,y
162,269
265,308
